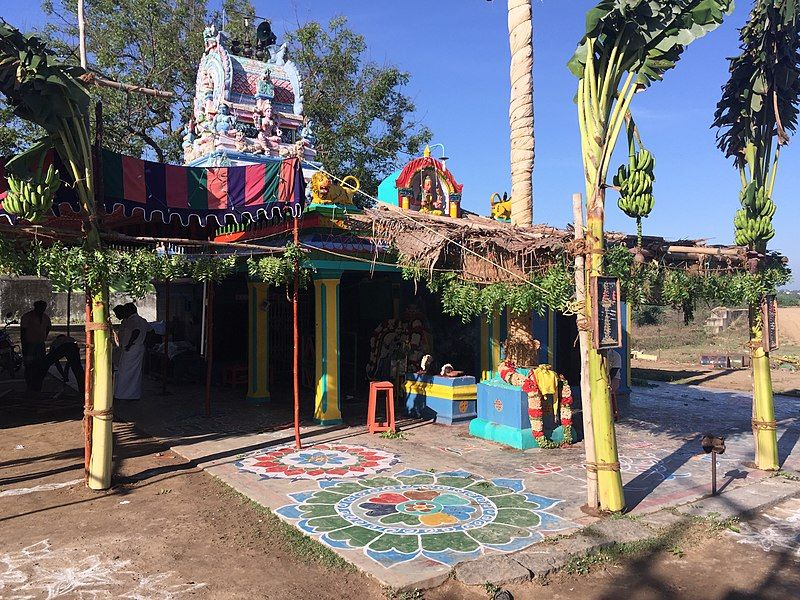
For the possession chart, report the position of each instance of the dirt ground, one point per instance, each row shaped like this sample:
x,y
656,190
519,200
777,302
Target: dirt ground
x,y
679,347
783,381
167,530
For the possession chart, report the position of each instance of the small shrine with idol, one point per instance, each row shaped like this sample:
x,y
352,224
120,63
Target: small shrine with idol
x,y
424,185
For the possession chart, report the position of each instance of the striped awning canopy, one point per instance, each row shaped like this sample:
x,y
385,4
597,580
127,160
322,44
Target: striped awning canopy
x,y
160,190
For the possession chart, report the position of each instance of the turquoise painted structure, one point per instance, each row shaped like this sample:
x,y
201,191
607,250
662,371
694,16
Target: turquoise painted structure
x,y
387,190
503,416
447,400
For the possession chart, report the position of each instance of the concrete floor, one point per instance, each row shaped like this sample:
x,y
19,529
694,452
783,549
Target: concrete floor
x,y
406,510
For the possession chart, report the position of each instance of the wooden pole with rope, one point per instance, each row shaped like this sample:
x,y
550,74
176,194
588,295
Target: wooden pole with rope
x,y
592,499
296,332
87,391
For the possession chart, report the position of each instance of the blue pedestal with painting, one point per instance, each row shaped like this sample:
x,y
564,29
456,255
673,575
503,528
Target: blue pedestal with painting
x,y
503,416
447,400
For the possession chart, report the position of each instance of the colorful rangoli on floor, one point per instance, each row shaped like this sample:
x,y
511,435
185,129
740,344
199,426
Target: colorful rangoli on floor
x,y
444,517
322,461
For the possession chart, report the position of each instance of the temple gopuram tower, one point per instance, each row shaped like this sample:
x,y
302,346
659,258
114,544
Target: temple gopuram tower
x,y
248,105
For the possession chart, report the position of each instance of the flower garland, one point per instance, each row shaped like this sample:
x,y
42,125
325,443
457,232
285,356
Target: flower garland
x,y
530,386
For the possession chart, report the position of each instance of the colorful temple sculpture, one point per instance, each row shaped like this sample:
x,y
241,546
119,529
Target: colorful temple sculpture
x,y
424,185
247,109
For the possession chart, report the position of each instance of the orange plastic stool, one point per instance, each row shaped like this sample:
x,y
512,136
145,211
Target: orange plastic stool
x,y
374,388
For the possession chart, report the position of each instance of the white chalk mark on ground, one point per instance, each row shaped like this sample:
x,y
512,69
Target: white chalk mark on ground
x,y
776,529
38,571
45,487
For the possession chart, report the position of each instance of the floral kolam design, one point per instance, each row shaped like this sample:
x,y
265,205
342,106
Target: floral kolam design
x,y
547,391
322,461
443,517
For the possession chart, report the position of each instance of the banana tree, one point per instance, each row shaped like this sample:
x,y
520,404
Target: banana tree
x,y
49,93
755,116
628,45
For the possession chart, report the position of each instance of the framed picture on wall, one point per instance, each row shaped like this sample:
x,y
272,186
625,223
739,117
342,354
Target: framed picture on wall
x,y
769,323
606,313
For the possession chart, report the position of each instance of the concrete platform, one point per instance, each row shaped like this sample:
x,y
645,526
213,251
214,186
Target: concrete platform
x,y
408,510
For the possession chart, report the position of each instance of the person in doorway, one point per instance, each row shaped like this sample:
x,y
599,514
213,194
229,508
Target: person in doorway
x,y
132,330
614,378
34,328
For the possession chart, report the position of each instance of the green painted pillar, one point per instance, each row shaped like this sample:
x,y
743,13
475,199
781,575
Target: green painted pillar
x,y
493,333
258,343
327,401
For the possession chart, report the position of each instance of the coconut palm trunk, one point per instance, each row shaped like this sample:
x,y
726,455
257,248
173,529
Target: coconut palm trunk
x,y
520,31
519,344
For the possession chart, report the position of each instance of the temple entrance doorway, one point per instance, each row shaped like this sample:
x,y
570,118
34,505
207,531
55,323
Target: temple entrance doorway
x,y
387,324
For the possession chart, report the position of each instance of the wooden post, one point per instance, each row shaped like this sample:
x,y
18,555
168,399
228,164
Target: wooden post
x,y
82,34
87,392
296,351
209,342
165,364
69,307
592,501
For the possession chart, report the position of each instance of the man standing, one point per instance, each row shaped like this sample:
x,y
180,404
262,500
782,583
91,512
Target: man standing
x,y
128,385
34,328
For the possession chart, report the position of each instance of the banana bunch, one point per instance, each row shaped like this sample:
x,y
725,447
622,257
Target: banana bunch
x,y
635,183
31,198
753,222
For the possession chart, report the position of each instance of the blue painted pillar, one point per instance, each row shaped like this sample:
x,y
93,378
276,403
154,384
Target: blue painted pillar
x,y
624,393
544,330
327,400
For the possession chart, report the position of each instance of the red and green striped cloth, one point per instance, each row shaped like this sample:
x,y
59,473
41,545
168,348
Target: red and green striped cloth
x,y
202,191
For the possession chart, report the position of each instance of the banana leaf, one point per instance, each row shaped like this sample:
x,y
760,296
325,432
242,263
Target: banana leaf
x,y
651,34
759,103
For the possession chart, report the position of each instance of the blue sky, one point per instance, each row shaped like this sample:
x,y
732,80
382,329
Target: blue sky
x,y
457,53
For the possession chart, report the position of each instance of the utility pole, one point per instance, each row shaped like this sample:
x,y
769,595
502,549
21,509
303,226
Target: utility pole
x,y
82,34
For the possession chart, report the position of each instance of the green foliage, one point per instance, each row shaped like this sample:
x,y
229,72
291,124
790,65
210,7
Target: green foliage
x,y
769,64
649,35
212,269
41,89
151,43
648,284
64,266
16,135
467,300
362,117
648,315
758,110
788,299
50,94
654,284
135,271
279,271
